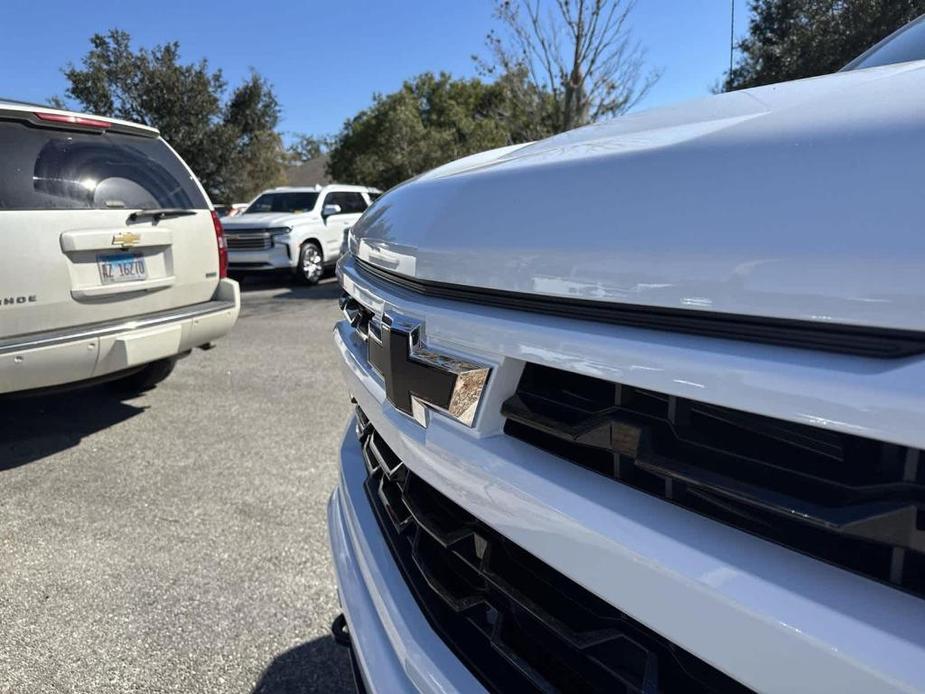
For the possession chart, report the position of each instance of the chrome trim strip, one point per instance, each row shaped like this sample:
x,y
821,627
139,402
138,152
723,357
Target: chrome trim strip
x,y
21,343
818,336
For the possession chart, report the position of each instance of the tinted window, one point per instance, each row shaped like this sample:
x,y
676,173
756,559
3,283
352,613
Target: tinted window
x,y
43,169
350,203
283,202
905,45
372,196
333,199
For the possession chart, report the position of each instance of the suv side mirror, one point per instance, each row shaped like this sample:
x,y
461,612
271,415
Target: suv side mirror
x,y
328,210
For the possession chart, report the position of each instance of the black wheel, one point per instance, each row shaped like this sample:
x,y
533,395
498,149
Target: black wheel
x,y
146,378
311,263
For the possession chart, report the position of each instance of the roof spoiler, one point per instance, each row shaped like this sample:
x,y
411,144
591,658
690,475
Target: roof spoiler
x,y
44,117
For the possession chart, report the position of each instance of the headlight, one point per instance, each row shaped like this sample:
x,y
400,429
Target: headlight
x,y
279,235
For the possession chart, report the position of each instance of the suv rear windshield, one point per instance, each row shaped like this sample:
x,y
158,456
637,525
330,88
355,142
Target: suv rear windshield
x,y
45,169
283,202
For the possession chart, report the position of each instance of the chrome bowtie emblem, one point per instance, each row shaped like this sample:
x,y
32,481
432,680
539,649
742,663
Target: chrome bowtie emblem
x,y
417,377
125,240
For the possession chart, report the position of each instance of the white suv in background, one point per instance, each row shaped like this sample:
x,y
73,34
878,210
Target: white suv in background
x,y
112,262
300,230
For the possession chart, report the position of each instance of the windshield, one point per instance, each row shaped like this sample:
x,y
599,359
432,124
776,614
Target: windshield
x,y
283,202
48,169
903,46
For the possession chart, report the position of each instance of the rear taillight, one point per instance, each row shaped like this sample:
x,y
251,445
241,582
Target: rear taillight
x,y
72,120
222,246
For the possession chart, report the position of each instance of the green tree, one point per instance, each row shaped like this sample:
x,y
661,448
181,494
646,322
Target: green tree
x,y
792,39
434,119
305,147
231,144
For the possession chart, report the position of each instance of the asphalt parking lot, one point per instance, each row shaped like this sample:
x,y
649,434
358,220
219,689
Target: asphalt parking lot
x,y
176,541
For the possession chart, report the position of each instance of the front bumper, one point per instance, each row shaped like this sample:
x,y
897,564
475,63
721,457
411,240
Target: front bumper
x,y
772,619
395,646
89,352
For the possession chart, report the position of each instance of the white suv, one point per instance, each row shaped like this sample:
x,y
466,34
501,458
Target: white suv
x,y
300,230
112,262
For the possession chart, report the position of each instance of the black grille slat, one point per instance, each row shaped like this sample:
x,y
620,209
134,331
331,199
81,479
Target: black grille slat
x,y
447,575
383,456
537,593
518,624
439,521
822,442
854,502
602,429
859,520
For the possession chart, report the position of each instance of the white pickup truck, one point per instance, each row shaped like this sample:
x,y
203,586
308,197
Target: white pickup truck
x,y
296,230
650,416
112,262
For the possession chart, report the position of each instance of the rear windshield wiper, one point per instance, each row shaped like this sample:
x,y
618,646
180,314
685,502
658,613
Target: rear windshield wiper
x,y
160,213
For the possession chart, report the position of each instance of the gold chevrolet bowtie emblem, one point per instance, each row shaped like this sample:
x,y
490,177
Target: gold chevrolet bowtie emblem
x,y
125,240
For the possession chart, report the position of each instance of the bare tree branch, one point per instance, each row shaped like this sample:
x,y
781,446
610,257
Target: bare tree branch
x,y
581,52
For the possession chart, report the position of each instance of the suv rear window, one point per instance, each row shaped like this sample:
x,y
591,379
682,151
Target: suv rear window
x,y
45,169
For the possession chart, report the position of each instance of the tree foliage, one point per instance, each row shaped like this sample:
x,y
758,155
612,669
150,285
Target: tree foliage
x,y
232,145
581,52
792,39
434,119
306,147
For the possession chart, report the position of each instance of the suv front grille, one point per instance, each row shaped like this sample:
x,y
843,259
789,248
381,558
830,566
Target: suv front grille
x,y
851,501
255,240
516,623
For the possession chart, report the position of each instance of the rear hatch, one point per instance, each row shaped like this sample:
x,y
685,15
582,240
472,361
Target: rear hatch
x,y
99,220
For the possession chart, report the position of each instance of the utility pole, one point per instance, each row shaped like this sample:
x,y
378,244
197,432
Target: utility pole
x,y
732,32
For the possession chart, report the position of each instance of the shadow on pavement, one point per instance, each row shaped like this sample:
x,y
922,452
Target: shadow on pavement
x,y
315,666
33,428
253,303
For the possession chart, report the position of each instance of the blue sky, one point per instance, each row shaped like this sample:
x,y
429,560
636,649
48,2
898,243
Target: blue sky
x,y
326,59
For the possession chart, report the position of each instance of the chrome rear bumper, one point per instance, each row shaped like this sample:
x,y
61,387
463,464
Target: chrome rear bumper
x,y
50,338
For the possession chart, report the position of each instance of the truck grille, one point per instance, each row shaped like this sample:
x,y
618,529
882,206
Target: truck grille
x,y
516,623
256,240
357,315
854,502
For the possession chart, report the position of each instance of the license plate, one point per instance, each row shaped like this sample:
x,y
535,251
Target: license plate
x,y
122,267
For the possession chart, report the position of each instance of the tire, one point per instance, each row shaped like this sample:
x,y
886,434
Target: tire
x,y
146,378
311,263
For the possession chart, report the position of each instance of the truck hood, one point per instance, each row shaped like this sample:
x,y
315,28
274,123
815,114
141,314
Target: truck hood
x,y
799,201
264,221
